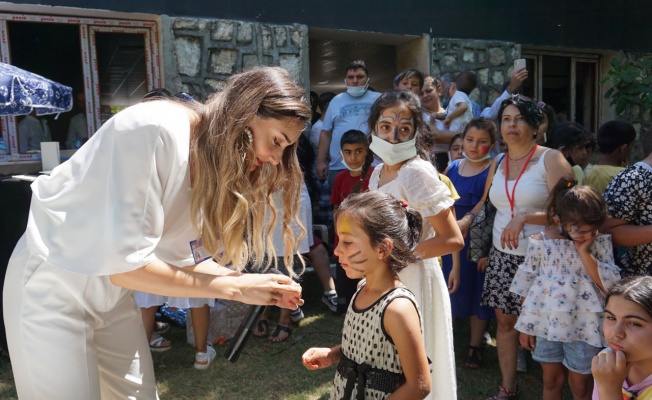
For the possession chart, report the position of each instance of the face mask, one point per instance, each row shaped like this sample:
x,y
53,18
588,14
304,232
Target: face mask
x,y
392,154
486,156
357,91
347,165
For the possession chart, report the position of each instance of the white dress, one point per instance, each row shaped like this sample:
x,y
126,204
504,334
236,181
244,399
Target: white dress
x,y
419,185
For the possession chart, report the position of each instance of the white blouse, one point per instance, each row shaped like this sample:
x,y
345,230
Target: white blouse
x,y
122,200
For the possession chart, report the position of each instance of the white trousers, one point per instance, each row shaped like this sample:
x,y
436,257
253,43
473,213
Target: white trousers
x,y
73,336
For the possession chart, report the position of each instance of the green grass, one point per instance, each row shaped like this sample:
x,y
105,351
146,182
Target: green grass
x,y
274,371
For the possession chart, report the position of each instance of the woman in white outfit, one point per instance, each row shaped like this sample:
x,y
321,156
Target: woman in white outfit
x,y
396,125
123,213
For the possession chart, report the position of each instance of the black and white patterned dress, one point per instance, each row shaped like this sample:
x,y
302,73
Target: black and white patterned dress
x,y
629,197
365,343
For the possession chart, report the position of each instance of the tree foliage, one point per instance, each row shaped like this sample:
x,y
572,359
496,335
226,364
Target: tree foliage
x,y
632,83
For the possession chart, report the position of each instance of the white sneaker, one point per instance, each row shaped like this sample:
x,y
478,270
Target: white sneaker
x,y
330,300
203,360
521,364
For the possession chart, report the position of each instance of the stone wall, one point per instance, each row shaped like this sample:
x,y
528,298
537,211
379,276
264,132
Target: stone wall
x,y
492,62
200,54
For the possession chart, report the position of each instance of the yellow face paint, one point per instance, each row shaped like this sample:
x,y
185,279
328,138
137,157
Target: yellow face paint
x,y
343,225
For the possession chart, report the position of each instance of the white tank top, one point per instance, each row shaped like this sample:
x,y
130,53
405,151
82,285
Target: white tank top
x,y
530,196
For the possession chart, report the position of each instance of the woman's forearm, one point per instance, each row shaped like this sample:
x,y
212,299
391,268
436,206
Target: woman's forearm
x,y
159,277
631,235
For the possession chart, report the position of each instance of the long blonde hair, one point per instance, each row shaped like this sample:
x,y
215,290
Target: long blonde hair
x,y
229,202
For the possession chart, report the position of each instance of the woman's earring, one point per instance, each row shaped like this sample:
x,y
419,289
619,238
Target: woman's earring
x,y
249,138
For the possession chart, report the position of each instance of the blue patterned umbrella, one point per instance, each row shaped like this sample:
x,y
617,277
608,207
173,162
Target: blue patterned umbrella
x,y
22,91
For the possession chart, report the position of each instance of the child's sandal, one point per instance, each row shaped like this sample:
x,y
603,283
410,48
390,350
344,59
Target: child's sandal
x,y
505,394
474,359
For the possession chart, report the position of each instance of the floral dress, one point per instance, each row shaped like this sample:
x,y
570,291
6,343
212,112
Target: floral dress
x,y
562,303
629,197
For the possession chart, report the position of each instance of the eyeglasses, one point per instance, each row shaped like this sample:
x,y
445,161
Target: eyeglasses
x,y
574,230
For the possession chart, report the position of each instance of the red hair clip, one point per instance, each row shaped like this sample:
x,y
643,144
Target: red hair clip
x,y
403,203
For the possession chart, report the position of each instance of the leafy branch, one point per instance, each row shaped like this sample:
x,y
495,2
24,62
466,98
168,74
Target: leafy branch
x,y
632,83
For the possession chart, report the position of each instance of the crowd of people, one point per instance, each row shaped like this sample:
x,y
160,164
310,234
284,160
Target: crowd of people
x,y
401,178
569,224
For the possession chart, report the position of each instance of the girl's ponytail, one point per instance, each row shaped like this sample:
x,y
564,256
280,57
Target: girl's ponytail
x,y
414,225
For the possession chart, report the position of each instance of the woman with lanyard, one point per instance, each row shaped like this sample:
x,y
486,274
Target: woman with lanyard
x,y
518,189
159,182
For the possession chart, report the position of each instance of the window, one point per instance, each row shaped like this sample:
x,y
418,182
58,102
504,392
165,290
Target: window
x,y
110,63
566,81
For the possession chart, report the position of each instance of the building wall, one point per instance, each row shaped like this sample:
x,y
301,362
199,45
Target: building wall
x,y
588,24
492,62
200,54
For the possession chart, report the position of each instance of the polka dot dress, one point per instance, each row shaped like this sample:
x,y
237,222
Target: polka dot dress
x,y
365,341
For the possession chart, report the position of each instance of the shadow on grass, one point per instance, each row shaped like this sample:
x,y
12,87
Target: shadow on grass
x,y
272,371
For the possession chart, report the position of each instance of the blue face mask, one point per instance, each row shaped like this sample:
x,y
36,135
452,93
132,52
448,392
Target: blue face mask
x,y
357,91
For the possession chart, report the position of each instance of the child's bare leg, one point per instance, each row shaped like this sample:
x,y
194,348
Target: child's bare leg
x,y
200,320
581,385
149,316
319,259
553,380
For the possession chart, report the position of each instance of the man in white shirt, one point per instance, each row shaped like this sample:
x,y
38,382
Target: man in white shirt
x,y
349,110
31,132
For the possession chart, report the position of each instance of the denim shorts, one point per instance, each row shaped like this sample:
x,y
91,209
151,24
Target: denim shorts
x,y
576,356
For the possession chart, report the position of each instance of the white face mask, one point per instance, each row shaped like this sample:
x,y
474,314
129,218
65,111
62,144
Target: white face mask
x,y
347,165
486,156
392,154
357,91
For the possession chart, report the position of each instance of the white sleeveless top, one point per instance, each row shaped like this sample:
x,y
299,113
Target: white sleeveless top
x,y
530,196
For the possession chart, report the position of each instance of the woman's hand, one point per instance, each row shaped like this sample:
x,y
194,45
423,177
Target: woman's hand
x,y
482,264
318,357
268,289
528,342
512,232
454,280
464,224
609,371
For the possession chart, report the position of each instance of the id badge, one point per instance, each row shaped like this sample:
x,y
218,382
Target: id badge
x,y
199,254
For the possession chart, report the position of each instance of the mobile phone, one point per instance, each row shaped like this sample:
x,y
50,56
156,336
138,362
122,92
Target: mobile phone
x,y
519,63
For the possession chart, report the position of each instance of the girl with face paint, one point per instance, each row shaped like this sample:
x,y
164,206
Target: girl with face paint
x,y
406,173
465,281
377,237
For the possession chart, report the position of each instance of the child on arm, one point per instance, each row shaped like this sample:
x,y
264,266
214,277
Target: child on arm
x,y
624,369
357,159
382,339
411,80
563,279
460,110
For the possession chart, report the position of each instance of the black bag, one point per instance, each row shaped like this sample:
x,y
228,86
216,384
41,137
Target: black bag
x,y
481,232
481,229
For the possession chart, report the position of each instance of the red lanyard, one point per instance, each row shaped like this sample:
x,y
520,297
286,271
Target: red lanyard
x,y
511,198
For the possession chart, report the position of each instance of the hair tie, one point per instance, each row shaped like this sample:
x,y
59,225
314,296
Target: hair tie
x,y
403,203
